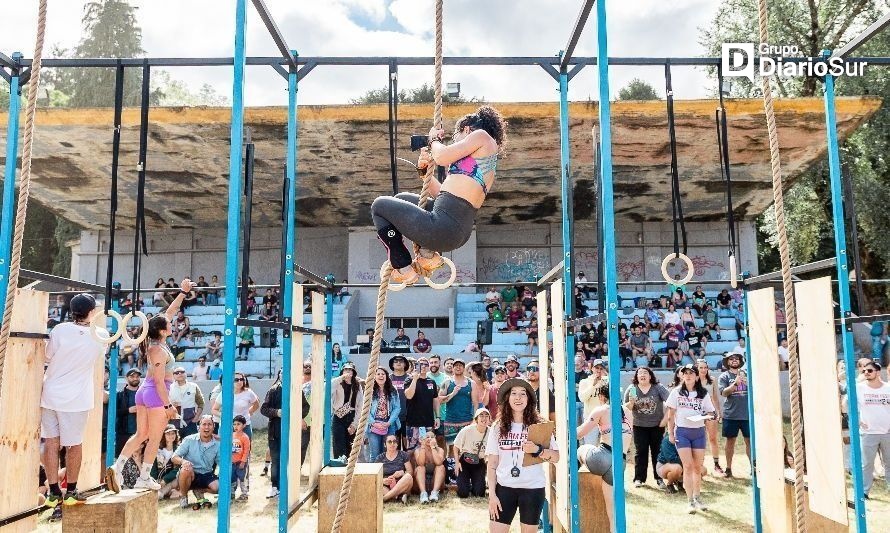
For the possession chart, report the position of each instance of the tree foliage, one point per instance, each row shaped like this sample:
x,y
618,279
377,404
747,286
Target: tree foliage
x,y
638,89
424,94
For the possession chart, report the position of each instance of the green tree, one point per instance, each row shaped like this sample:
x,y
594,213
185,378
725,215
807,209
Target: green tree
x,y
814,27
424,94
637,89
170,92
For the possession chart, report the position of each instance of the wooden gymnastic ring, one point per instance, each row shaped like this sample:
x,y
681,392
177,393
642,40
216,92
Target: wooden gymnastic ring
x,y
733,272
395,287
451,279
689,266
94,332
126,336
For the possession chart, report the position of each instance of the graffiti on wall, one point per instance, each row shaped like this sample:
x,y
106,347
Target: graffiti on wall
x,y
513,264
465,274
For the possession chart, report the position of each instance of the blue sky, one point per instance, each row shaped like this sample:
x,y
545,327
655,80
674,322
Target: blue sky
x,y
400,27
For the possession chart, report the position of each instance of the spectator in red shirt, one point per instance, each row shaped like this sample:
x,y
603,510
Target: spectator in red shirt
x,y
422,344
514,316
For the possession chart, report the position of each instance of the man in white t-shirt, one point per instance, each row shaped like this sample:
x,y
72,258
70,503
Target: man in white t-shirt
x,y
740,347
783,354
873,397
69,393
187,398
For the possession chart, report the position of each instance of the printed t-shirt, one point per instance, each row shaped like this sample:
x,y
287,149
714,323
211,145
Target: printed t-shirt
x,y
687,406
71,357
420,412
399,383
874,408
735,407
509,451
240,447
648,408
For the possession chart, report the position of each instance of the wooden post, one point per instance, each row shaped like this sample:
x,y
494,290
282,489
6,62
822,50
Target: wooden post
x,y
563,497
294,466
315,454
130,511
20,408
365,513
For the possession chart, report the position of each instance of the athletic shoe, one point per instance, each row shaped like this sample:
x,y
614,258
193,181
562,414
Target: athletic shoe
x,y
273,492
427,265
184,503
74,498
698,504
680,486
424,498
405,499
638,483
265,470
717,468
434,496
146,483
114,480
398,277
660,483
242,497
727,473
692,508
57,514
52,500
672,488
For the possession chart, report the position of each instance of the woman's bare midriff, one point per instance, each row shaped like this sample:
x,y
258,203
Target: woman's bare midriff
x,y
467,188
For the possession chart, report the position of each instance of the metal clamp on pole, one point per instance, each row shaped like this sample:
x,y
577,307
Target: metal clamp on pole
x,y
314,277
310,331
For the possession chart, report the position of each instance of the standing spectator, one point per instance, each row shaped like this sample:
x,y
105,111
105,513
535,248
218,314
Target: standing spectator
x,y
240,458
245,343
246,402
430,471
598,458
512,366
486,365
421,403
336,352
271,409
438,375
587,393
307,411
125,422
456,394
384,414
422,344
345,390
699,300
478,384
645,399
686,404
213,294
733,385
513,487
781,326
68,396
202,293
401,339
581,373
469,455
188,400
739,316
783,354
710,384
724,303
878,338
200,372
398,364
197,458
640,346
697,343
398,478
449,366
873,397
214,347
500,376
669,466
533,375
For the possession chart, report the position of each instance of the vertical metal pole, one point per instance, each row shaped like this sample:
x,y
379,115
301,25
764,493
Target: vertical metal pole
x,y
329,373
287,310
755,489
569,299
232,240
843,282
12,150
610,259
110,429
850,209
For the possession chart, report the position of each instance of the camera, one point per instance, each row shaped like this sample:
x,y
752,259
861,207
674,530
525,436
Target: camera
x,y
419,141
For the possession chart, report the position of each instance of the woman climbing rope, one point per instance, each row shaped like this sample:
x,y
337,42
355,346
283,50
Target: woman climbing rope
x,y
447,222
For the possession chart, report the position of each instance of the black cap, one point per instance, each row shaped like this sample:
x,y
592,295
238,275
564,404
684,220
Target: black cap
x,y
82,304
134,371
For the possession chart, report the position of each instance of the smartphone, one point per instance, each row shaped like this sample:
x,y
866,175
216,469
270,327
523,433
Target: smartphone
x,y
421,432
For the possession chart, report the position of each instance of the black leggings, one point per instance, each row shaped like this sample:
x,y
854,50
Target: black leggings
x,y
340,435
471,480
445,224
647,442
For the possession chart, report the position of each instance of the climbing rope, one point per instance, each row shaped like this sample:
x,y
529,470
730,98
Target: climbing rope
x,y
787,286
385,274
25,184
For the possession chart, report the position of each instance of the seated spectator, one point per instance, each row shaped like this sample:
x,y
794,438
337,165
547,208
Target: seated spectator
x,y
430,471
532,332
213,347
181,327
738,296
686,318
343,292
401,340
197,458
528,299
471,347
495,314
422,344
711,320
514,317
699,300
624,349
271,297
724,302
739,316
641,346
671,316
240,457
668,465
581,282
245,343
509,295
190,299
163,468
653,317
200,372
270,312
469,455
781,327
674,355
215,372
697,343
251,301
159,298
580,308
678,297
740,347
398,474
637,322
213,294
493,297
202,294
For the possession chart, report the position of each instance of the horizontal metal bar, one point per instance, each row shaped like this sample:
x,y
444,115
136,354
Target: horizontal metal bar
x,y
310,331
575,322
863,37
800,269
12,519
275,32
262,323
551,273
7,61
869,318
580,22
307,497
31,274
5,75
313,276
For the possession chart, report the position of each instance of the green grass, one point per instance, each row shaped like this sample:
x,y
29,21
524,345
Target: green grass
x,y
649,509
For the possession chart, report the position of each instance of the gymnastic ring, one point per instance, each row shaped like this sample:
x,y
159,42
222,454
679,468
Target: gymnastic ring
x,y
395,287
689,267
733,272
451,279
138,340
94,332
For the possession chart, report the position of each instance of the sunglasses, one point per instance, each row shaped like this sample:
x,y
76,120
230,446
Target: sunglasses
x,y
239,379
423,365
179,372
531,368
391,441
687,371
868,371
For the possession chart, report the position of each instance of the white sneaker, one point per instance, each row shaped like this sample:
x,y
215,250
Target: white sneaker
x,y
692,508
146,483
424,498
638,483
434,496
699,504
273,492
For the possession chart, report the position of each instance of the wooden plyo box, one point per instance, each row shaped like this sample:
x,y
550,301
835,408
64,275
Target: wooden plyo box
x,y
593,506
130,511
365,512
816,523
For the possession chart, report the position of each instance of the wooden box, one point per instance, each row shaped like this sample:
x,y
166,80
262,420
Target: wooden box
x,y
365,512
130,511
592,514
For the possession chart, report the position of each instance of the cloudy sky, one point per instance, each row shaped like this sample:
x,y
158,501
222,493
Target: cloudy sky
x,y
204,28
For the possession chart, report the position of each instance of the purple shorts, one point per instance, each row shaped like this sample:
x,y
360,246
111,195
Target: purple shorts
x,y
148,396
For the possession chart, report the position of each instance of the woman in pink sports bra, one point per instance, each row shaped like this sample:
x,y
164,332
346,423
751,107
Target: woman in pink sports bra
x,y
153,406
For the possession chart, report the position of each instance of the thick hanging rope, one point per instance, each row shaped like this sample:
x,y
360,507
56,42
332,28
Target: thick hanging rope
x,y
25,184
787,287
385,274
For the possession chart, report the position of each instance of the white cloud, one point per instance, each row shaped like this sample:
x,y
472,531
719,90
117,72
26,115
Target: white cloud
x,y
194,28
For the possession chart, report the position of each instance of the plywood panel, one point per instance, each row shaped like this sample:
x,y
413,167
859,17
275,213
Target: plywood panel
x,y
20,410
821,404
768,409
365,511
560,392
91,468
295,410
315,455
544,362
